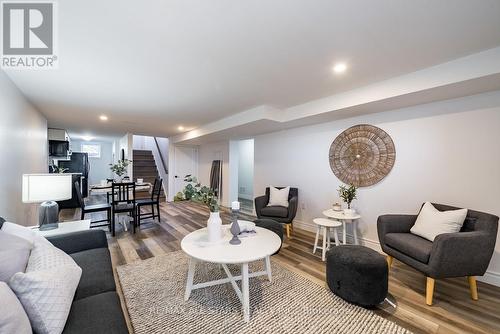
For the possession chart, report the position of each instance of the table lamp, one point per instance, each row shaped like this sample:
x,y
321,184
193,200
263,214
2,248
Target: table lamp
x,y
46,189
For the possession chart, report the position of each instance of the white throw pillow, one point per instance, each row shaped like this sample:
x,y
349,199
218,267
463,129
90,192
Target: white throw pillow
x,y
278,197
23,232
13,318
19,231
14,255
48,287
431,222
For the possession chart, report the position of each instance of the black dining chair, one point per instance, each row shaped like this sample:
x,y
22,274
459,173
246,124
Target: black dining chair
x,y
153,201
84,209
123,200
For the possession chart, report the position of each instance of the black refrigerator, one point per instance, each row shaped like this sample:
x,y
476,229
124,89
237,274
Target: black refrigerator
x,y
79,163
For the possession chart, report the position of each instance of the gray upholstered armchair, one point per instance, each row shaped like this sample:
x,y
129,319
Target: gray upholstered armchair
x,y
280,214
465,253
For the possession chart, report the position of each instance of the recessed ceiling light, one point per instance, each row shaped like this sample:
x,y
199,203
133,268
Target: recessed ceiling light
x,y
180,128
103,118
339,68
87,138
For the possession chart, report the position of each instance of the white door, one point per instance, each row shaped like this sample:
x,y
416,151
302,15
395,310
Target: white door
x,y
185,164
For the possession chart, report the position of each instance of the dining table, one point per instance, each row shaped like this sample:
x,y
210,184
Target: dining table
x,y
96,189
104,189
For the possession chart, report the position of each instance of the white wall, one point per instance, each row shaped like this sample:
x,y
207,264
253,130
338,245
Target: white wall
x,y
245,168
446,152
139,142
99,167
234,157
23,148
127,144
206,154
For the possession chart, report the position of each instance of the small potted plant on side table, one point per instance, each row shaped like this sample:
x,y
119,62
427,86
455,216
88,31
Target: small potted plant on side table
x,y
348,194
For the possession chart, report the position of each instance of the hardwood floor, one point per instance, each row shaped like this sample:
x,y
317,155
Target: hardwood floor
x,y
453,310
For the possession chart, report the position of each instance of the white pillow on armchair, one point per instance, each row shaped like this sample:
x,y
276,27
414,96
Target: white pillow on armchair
x,y
431,222
278,197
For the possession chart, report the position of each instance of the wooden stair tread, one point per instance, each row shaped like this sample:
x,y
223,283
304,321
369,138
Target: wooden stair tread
x,y
145,168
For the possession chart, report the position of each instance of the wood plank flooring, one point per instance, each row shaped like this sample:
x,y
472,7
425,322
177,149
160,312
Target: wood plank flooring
x,y
453,310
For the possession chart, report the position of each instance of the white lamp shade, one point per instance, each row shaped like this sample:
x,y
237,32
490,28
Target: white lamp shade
x,y
39,188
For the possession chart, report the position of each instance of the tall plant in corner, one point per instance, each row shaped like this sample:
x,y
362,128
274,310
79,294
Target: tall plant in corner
x,y
348,194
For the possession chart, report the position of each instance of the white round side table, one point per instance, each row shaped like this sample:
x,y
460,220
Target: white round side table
x,y
340,216
328,225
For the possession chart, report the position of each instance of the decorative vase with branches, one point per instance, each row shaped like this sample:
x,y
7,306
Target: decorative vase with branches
x,y
59,170
120,168
197,192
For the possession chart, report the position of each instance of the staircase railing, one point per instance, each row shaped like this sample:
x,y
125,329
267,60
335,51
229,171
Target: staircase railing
x,y
161,156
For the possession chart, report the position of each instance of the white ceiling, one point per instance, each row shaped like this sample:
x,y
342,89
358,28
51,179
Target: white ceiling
x,y
151,66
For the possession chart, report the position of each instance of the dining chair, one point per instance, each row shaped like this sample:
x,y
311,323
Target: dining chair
x,y
108,193
84,209
123,200
154,200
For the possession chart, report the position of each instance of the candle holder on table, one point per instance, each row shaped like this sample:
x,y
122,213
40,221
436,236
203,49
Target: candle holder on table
x,y
235,227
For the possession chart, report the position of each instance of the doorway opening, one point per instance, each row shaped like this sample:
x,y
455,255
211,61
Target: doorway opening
x,y
245,174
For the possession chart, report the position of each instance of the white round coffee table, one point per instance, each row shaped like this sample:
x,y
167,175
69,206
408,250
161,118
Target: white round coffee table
x,y
353,219
253,248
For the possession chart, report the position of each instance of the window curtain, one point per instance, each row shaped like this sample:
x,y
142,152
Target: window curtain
x,y
216,178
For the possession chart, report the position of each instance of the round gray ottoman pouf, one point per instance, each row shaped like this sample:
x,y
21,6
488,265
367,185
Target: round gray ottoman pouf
x,y
357,274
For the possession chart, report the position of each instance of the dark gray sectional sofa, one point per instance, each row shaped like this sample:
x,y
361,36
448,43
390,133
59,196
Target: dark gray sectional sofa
x,y
96,307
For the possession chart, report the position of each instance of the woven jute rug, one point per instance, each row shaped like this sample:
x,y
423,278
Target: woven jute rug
x,y
154,295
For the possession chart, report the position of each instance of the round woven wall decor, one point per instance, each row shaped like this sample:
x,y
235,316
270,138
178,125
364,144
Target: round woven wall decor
x,y
362,155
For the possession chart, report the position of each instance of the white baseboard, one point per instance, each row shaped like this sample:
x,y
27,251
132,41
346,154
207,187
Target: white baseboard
x,y
491,277
308,226
311,227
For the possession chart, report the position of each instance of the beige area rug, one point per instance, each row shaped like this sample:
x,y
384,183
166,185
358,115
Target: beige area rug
x,y
154,294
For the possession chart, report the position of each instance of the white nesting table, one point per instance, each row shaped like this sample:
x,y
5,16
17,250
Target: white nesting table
x,y
353,219
65,227
253,248
327,225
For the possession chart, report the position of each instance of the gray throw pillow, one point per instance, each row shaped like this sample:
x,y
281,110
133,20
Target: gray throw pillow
x,y
14,255
13,318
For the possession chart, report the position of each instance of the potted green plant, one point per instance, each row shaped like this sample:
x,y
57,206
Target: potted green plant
x,y
348,194
120,168
197,192
59,170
